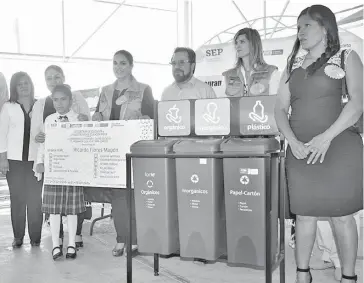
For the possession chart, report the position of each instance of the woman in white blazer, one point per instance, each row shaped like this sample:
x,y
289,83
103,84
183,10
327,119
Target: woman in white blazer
x,y
17,155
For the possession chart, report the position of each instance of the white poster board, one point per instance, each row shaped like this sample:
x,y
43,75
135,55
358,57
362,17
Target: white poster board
x,y
91,154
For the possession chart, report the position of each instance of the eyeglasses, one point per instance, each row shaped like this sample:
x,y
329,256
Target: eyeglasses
x,y
179,62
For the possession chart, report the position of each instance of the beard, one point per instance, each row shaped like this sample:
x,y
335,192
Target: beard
x,y
180,76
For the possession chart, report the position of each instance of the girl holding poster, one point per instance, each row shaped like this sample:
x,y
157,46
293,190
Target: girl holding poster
x,y
58,199
44,107
125,99
252,75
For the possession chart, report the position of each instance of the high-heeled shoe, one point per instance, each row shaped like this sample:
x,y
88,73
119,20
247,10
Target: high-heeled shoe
x,y
118,251
355,277
71,255
133,249
57,255
305,270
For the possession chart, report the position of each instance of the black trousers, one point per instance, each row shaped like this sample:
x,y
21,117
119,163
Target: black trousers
x,y
120,215
25,200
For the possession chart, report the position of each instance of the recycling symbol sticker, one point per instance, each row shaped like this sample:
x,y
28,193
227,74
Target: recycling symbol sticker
x,y
150,184
194,179
244,180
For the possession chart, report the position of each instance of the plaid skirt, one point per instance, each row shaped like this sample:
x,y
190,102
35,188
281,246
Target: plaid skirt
x,y
67,200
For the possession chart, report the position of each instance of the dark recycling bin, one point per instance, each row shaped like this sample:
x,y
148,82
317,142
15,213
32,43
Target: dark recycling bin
x,y
155,198
246,181
200,197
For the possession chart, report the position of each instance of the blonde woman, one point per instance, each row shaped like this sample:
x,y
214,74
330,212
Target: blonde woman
x,y
251,75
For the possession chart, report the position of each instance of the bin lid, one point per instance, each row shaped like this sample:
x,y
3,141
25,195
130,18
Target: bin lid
x,y
197,145
152,146
253,145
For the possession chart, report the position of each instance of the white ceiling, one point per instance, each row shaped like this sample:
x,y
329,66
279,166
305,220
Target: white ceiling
x,y
149,34
34,34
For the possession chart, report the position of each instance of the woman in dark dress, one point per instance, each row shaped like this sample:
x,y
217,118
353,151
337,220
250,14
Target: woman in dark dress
x,y
325,156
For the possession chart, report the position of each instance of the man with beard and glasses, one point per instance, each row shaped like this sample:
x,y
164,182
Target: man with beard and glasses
x,y
186,86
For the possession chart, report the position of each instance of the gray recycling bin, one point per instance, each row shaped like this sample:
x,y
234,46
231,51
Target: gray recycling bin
x,y
155,198
246,182
200,197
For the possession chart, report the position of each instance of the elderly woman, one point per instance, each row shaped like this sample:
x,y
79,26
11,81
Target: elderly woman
x,y
252,75
125,99
17,155
43,108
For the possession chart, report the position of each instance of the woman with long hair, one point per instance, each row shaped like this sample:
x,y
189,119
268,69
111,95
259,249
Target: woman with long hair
x,y
251,75
325,154
125,99
17,156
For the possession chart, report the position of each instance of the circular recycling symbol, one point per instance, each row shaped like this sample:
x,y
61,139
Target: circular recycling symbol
x,y
244,180
194,179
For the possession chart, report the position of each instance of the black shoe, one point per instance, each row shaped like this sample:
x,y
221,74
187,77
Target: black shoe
x,y
35,243
17,243
305,270
71,255
57,255
79,242
355,277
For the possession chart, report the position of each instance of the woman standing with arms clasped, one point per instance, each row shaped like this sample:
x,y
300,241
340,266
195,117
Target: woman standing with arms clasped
x,y
325,156
125,99
17,155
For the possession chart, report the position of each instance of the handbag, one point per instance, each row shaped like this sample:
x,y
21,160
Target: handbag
x,y
358,126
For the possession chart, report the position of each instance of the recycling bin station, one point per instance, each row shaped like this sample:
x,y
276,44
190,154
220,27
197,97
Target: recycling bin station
x,y
200,195
211,186
155,198
251,187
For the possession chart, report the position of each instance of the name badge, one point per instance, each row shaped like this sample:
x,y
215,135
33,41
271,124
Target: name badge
x,y
257,88
234,86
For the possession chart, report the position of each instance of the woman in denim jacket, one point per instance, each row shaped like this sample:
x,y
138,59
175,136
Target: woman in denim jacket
x,y
125,99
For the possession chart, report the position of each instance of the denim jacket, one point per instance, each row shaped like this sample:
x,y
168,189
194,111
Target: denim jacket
x,y
130,108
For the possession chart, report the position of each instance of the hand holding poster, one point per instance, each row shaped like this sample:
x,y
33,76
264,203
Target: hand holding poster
x,y
91,153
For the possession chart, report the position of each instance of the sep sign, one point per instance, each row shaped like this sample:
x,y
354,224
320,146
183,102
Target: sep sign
x,y
174,118
212,117
257,116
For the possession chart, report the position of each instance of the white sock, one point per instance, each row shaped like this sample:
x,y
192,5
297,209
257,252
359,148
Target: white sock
x,y
72,227
55,222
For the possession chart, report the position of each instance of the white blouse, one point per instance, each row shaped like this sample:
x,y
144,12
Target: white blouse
x,y
12,133
71,117
79,106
